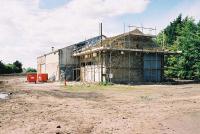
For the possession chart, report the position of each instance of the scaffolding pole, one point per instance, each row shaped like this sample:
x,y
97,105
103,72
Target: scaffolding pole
x,y
101,53
110,66
129,57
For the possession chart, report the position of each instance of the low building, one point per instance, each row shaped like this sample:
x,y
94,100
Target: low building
x,y
126,58
61,63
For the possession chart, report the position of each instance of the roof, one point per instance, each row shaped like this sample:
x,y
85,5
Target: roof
x,y
136,32
55,51
110,40
113,42
124,49
91,41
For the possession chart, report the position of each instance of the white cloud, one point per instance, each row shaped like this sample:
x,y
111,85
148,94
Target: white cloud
x,y
103,8
28,31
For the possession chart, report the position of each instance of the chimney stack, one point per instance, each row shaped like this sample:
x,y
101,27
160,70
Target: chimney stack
x,y
52,48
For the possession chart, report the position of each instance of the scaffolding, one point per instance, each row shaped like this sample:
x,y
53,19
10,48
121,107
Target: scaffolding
x,y
121,58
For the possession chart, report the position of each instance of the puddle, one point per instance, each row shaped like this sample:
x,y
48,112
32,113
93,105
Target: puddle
x,y
3,96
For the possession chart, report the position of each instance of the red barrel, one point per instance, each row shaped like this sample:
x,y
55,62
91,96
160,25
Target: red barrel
x,y
31,77
42,77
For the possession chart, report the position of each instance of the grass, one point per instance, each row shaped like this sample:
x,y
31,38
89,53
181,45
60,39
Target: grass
x,y
98,87
147,98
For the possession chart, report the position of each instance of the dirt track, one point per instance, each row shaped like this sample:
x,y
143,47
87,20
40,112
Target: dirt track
x,y
145,109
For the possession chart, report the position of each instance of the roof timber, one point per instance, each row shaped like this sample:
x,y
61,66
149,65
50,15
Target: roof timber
x,y
111,44
99,49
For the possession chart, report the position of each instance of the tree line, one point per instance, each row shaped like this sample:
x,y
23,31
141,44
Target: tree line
x,y
182,34
15,67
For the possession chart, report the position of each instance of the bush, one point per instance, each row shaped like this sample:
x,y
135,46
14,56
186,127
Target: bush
x,y
28,70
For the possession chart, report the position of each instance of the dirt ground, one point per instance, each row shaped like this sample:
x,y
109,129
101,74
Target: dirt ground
x,y
51,108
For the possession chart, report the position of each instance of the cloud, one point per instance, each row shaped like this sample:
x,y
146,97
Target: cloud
x,y
103,8
28,31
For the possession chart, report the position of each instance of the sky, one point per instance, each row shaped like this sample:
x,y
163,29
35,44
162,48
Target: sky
x,y
29,28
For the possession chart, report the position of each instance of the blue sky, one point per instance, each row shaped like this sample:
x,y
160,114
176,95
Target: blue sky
x,y
154,6
51,4
32,27
155,9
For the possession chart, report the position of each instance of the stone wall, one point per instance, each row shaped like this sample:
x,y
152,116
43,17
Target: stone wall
x,y
125,67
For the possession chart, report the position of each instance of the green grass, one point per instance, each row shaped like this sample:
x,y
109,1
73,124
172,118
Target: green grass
x,y
98,87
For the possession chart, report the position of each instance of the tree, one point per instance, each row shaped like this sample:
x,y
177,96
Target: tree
x,y
2,68
171,31
188,42
183,35
9,68
17,68
161,39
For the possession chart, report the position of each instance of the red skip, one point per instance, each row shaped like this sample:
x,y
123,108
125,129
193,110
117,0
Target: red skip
x,y
42,77
32,77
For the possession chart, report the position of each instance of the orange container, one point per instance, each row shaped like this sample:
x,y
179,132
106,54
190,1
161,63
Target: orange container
x,y
42,77
31,77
